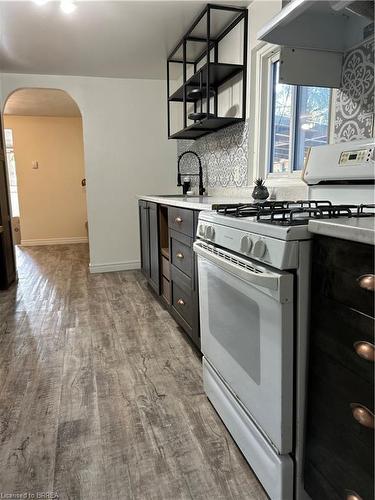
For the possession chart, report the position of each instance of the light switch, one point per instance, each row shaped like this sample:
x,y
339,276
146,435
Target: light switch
x,y
35,164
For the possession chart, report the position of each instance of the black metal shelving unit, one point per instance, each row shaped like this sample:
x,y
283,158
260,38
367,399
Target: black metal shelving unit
x,y
200,44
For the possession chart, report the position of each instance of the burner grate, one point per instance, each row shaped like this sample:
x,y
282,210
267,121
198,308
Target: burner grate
x,y
293,213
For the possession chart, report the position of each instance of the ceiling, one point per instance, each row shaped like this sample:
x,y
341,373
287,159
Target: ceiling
x,y
126,39
41,102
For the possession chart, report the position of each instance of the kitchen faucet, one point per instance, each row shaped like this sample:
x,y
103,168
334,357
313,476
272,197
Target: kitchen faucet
x,y
200,174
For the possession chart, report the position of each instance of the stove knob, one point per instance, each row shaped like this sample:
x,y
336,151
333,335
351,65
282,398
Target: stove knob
x,y
202,230
246,244
259,249
210,232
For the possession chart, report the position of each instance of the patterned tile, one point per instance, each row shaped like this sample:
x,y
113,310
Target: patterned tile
x,y
223,154
354,118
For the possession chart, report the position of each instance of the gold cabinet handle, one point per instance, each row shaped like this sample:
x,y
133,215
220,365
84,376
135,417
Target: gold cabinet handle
x,y
178,220
363,415
181,302
367,281
365,350
179,255
352,495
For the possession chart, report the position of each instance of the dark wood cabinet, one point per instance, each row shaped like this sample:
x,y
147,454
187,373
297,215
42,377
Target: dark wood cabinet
x,y
339,456
154,247
149,232
7,257
184,278
168,261
144,230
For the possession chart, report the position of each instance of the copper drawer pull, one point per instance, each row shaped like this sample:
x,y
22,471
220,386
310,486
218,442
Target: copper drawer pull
x,y
181,302
178,220
365,350
367,281
179,255
363,415
352,495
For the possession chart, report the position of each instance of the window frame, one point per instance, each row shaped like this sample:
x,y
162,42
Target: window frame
x,y
263,57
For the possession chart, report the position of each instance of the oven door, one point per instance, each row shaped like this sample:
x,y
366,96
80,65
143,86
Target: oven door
x,y
246,313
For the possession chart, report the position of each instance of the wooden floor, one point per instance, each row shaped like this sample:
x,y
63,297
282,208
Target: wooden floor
x,y
100,394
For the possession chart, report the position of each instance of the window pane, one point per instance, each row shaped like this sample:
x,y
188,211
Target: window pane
x,y
11,163
312,121
8,138
281,123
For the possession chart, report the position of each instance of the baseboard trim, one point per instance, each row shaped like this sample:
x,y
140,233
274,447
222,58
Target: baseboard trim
x,y
54,241
115,266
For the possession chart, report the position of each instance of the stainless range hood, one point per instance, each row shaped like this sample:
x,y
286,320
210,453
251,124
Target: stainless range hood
x,y
310,31
327,25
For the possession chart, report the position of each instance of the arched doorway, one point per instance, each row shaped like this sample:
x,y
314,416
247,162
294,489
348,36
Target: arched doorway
x,y
46,173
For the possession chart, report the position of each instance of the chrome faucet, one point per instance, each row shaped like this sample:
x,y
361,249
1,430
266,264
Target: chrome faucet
x,y
200,174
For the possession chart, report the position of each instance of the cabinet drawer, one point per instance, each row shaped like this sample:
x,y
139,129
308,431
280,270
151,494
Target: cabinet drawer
x,y
338,265
181,220
337,446
182,302
182,253
337,330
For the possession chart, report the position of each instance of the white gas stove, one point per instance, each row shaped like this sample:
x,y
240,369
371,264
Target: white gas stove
x,y
254,272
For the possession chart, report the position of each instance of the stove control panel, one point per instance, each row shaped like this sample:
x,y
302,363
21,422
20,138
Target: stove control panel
x,y
345,161
246,244
355,157
271,251
210,233
259,249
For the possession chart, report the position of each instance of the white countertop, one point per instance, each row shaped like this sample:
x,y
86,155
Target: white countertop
x,y
361,229
194,202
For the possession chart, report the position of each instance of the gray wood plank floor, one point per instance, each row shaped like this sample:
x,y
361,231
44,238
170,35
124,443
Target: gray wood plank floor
x,y
101,395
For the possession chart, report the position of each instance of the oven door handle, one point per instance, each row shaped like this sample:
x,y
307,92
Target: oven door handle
x,y
263,279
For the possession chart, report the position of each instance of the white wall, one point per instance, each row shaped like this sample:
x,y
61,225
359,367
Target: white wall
x,y
126,153
260,13
52,200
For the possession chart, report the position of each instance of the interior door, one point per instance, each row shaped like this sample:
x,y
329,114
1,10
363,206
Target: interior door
x,y
7,257
247,336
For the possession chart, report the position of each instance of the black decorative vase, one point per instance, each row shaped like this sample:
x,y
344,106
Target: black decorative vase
x,y
260,193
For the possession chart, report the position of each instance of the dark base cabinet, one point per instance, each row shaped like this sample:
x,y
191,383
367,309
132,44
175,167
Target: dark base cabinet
x,y
184,277
339,454
168,261
149,231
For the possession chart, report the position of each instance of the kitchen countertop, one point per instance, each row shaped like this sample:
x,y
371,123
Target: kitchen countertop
x,y
360,229
193,202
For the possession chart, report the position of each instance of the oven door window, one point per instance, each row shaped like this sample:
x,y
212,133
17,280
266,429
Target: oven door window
x,y
247,336
229,324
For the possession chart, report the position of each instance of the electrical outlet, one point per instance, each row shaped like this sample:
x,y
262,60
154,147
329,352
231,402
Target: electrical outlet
x,y
35,164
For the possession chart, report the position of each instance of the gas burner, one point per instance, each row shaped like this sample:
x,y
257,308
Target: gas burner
x,y
294,213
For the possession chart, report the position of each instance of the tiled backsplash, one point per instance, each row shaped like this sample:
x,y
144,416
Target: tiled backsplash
x,y
354,117
224,154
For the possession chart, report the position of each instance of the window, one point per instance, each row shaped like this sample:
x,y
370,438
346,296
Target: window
x,y
299,120
11,162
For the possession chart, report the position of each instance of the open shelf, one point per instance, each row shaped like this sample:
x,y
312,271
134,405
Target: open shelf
x,y
204,127
219,74
165,253
200,53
